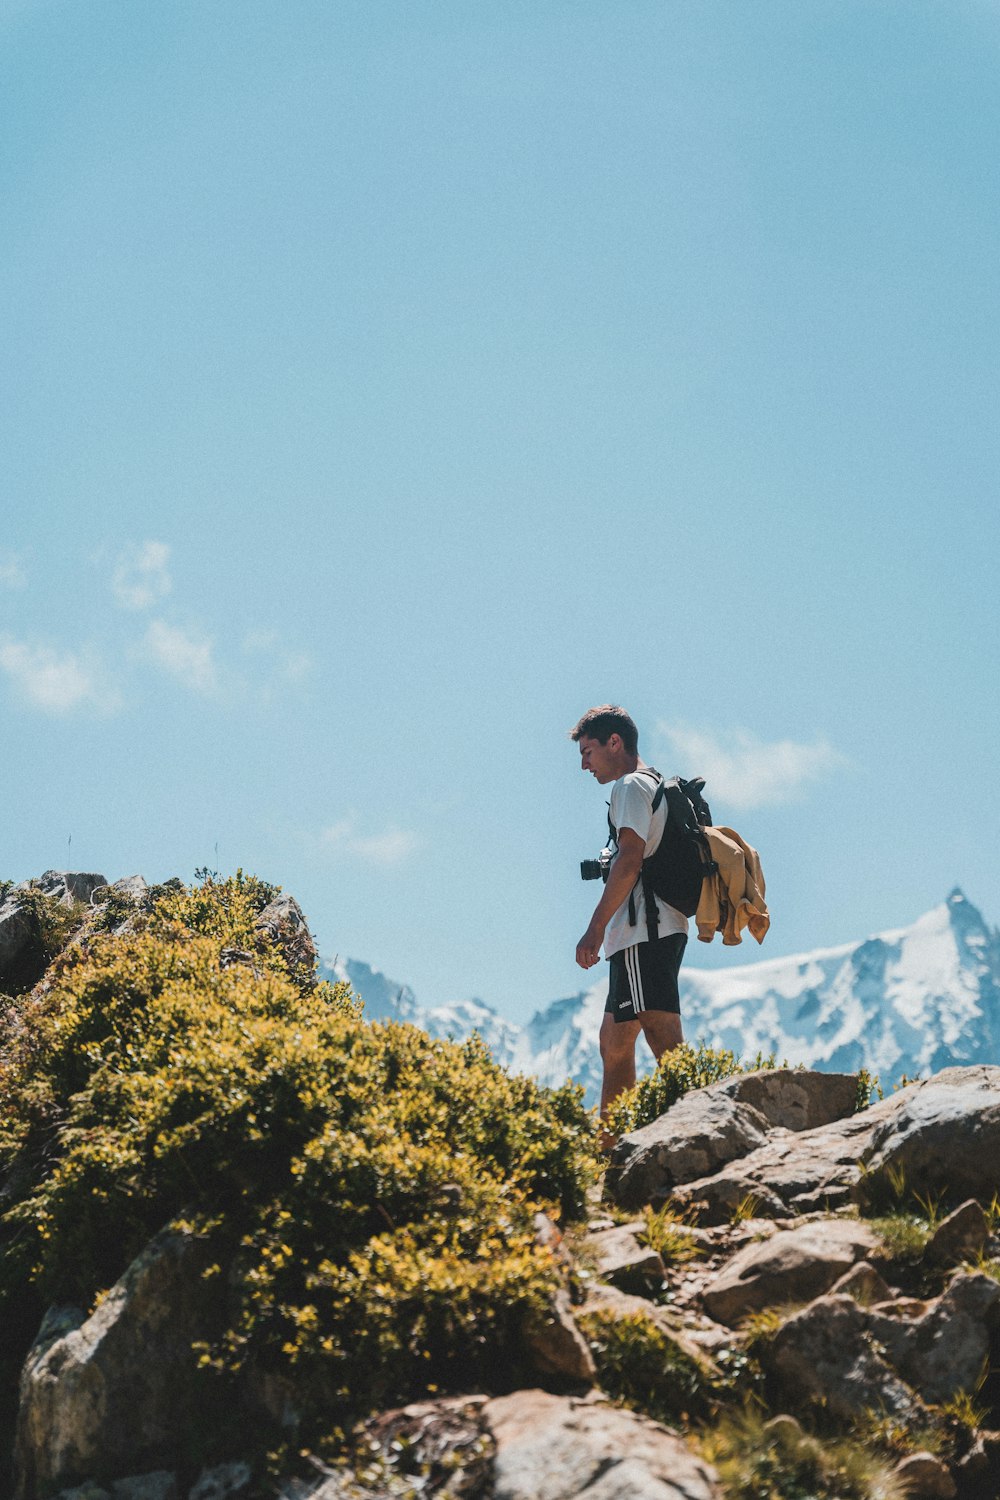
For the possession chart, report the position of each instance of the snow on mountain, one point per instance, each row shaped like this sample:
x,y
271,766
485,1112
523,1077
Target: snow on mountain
x,y
905,1002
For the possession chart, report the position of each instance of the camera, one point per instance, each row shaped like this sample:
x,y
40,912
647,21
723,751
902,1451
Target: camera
x,y
597,869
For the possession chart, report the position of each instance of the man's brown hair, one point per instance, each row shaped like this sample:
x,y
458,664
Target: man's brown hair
x,y
601,723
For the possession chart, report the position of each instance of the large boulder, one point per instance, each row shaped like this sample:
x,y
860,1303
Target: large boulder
x,y
795,1098
553,1448
110,1395
695,1137
822,1355
794,1265
947,1347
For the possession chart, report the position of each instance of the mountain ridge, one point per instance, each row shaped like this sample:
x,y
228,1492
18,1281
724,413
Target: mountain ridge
x,y
902,1002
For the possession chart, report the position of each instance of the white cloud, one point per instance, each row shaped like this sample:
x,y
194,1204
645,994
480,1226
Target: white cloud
x,y
187,657
56,683
141,576
280,665
12,574
391,847
743,771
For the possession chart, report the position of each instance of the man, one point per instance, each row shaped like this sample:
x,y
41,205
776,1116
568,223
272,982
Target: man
x,y
642,994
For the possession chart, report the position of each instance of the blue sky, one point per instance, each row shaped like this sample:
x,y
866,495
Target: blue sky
x,y
386,384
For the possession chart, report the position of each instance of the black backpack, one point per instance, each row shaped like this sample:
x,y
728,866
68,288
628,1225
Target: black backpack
x,y
683,858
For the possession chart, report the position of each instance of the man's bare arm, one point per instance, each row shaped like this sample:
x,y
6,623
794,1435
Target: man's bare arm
x,y
622,877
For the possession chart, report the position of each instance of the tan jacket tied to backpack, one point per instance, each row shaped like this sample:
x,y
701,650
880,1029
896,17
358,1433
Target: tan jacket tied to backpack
x,y
733,897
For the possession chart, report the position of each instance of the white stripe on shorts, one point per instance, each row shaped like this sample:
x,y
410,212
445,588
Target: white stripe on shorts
x,y
634,978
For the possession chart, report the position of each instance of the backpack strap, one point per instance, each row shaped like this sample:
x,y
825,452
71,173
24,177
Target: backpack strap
x,y
652,914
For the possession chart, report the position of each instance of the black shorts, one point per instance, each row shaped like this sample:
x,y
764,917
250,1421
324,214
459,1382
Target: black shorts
x,y
644,977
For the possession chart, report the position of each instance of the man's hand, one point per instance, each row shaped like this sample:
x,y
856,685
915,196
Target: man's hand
x,y
588,949
623,875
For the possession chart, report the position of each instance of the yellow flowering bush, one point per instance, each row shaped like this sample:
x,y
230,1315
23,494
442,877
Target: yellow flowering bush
x,y
370,1191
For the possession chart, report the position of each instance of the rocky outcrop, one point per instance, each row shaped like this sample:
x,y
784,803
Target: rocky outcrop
x,y
107,1395
941,1135
107,1399
19,925
555,1345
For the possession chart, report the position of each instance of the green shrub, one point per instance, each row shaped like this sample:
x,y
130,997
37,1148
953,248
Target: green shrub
x,y
371,1191
778,1460
642,1366
669,1233
678,1071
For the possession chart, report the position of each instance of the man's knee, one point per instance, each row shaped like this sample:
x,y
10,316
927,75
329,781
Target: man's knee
x,y
618,1039
662,1030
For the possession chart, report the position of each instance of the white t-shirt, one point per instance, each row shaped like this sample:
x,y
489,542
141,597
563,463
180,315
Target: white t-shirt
x,y
631,807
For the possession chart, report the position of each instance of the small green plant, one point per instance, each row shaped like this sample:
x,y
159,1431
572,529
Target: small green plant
x,y
992,1212
639,1364
760,1327
745,1210
963,1410
778,1460
869,1089
894,1439
903,1239
676,1074
669,1233
930,1205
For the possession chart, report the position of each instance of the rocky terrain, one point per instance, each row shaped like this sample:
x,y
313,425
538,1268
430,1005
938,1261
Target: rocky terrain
x,y
766,1291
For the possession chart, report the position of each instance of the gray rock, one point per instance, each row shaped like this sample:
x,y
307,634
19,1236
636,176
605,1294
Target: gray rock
x,y
794,1098
700,1133
159,1485
557,1347
283,924
89,1490
132,888
68,886
864,1284
223,1482
942,1134
945,1349
961,1236
621,1259
822,1354
94,1401
17,928
978,1470
552,1448
922,1476
794,1265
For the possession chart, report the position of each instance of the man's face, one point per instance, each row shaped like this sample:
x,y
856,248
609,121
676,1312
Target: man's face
x,y
600,760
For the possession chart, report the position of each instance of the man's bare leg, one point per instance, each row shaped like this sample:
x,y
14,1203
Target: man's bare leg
x,y
618,1039
662,1030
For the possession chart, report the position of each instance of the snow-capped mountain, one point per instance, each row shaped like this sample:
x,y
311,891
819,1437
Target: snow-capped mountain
x,y
905,1002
